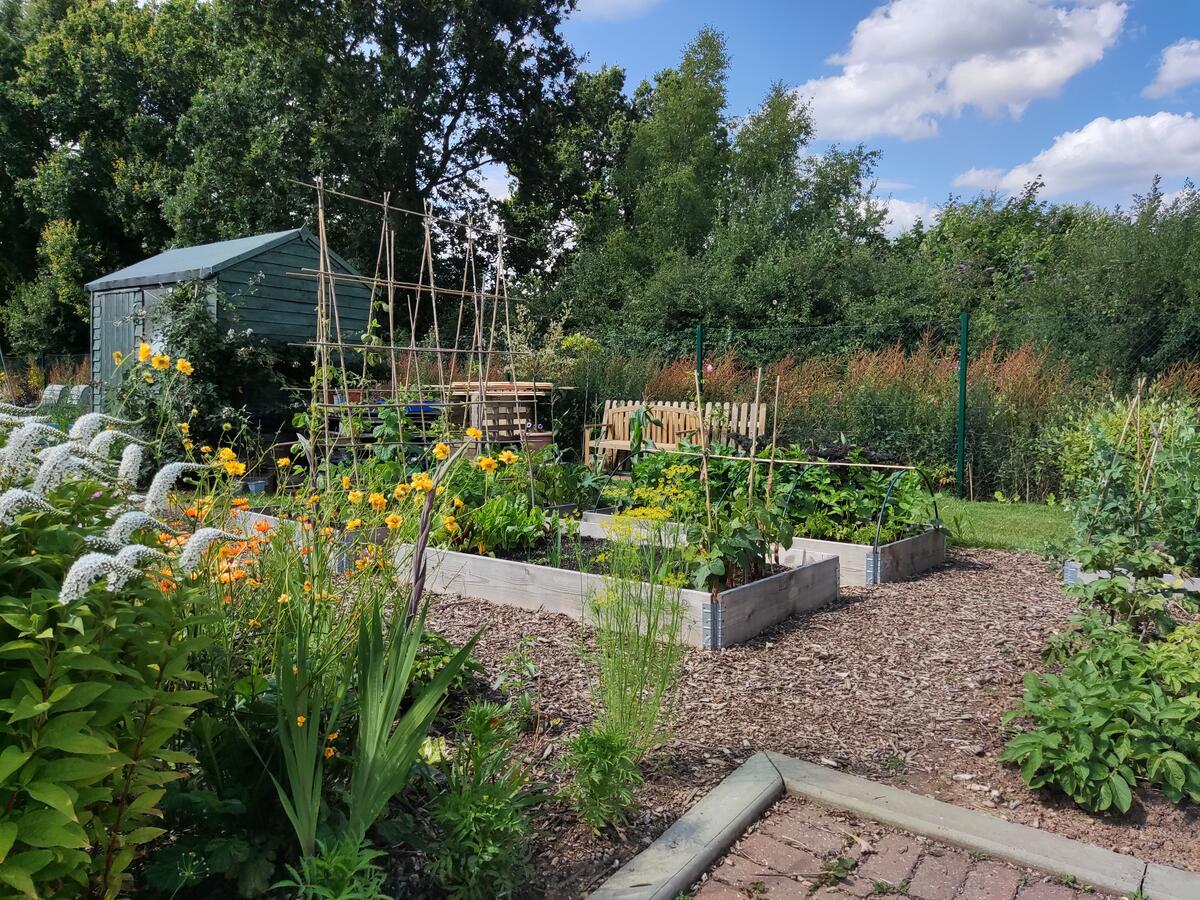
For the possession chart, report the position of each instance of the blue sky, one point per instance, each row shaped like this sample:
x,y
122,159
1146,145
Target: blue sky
x,y
959,95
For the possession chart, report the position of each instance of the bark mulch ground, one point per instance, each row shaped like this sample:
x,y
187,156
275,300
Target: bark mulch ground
x,y
905,683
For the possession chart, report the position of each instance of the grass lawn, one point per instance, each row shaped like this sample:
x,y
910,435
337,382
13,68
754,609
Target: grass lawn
x,y
1004,526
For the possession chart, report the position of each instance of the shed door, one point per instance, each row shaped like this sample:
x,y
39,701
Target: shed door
x,y
120,322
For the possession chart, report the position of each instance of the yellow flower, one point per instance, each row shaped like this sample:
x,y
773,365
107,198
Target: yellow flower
x,y
451,524
184,427
508,457
422,482
332,736
345,482
148,378
352,524
474,433
226,454
401,491
187,445
441,489
206,449
458,503
226,426
314,500
378,501
300,720
284,598
144,352
118,357
486,463
329,752
161,362
235,468
283,462
355,497
441,451
183,366
308,587
394,521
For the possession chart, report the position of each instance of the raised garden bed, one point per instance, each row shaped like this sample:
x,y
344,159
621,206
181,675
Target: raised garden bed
x,y
739,614
859,564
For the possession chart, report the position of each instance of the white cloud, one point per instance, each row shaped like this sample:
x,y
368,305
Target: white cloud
x,y
1105,154
903,214
1178,67
613,10
885,184
912,62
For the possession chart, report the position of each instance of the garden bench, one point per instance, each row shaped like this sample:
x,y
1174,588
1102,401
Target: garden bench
x,y
680,422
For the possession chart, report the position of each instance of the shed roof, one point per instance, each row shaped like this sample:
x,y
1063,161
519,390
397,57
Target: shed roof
x,y
198,262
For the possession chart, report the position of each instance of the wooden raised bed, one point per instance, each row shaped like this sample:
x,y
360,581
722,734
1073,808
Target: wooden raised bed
x,y
739,614
859,564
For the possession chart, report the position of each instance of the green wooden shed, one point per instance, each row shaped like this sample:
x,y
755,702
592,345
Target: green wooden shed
x,y
258,290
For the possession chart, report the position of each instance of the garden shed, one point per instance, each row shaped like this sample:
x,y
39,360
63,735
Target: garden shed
x,y
257,288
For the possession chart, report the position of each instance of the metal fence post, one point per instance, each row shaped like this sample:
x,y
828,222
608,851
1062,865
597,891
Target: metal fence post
x,y
960,468
700,357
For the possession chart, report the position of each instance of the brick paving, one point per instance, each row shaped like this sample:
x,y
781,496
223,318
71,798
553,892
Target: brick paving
x,y
802,851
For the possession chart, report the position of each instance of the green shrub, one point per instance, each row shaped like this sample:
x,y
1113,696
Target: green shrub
x,y
93,692
339,870
1118,711
482,812
604,767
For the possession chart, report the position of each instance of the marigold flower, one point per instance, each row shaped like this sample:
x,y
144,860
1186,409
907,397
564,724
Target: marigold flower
x,y
378,501
451,524
486,463
474,433
284,598
508,457
184,427
345,482
118,357
394,521
422,482
401,491
458,503
353,524
235,468
187,445
355,497
145,351
161,362
148,378
314,500
206,449
283,462
441,451
183,366
308,587
226,454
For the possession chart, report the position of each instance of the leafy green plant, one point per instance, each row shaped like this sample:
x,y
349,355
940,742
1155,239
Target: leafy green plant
x,y
504,523
387,741
1130,586
339,870
482,812
1117,712
604,774
94,690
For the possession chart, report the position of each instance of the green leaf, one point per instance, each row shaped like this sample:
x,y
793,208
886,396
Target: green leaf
x,y
8,834
1122,797
80,743
54,796
11,759
143,835
51,829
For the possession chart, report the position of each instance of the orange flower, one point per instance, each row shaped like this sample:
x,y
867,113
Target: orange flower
x,y
394,521
300,720
378,501
329,752
262,527
441,451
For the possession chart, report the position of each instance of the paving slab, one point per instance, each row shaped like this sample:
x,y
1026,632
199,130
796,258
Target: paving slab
x,y
1165,883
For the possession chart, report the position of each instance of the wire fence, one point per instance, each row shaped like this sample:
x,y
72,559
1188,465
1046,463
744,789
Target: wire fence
x,y
894,389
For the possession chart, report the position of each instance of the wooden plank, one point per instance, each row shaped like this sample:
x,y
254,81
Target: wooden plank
x,y
749,610
911,556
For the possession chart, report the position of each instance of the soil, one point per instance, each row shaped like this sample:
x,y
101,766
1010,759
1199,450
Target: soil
x,y
905,683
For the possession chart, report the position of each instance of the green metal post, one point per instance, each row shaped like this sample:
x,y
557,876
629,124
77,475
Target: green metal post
x,y
960,468
700,356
